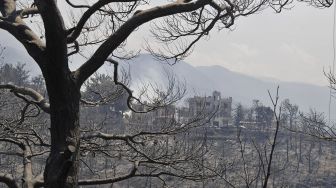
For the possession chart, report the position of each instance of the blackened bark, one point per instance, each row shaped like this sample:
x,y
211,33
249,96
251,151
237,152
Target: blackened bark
x,y
62,164
64,94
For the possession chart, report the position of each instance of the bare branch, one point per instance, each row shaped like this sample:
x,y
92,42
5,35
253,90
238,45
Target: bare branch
x,y
8,180
33,44
102,53
76,31
110,180
38,99
274,142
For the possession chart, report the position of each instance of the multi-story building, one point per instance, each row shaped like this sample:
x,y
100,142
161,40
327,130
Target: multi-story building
x,y
216,106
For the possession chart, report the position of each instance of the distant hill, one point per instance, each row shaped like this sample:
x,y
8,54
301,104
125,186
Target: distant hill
x,y
203,80
242,88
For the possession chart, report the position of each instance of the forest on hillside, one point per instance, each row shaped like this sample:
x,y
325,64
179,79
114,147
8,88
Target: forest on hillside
x,y
170,147
72,126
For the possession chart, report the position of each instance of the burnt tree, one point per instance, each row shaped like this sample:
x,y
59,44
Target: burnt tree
x,y
184,22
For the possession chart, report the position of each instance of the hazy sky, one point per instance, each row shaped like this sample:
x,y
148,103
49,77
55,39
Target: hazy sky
x,y
294,46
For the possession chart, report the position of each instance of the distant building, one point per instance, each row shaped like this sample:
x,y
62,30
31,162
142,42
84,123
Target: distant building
x,y
211,106
214,105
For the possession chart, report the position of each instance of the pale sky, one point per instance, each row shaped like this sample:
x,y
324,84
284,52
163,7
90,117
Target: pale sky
x,y
294,46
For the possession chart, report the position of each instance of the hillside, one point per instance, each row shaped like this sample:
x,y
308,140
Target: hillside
x,y
203,80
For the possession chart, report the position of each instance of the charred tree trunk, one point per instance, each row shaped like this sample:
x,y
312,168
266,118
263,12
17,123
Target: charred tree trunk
x,y
62,164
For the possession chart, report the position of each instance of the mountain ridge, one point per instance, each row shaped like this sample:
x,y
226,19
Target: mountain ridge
x,y
242,88
202,80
